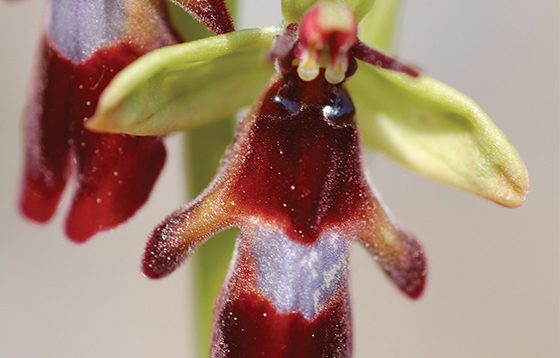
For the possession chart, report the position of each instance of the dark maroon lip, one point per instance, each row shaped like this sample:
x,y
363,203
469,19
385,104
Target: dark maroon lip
x,y
115,173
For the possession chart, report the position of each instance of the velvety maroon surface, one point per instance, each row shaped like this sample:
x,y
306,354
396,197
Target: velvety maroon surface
x,y
252,328
47,132
303,164
115,173
295,170
295,164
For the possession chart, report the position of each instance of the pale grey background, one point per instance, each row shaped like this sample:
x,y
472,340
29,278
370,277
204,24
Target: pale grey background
x,y
493,284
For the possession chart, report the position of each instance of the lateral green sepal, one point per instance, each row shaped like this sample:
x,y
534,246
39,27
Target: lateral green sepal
x,y
438,132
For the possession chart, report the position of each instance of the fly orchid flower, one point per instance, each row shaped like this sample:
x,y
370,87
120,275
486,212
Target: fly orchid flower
x,y
84,45
293,179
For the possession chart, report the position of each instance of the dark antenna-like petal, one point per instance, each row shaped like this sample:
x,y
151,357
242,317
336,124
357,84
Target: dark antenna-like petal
x,y
374,57
213,14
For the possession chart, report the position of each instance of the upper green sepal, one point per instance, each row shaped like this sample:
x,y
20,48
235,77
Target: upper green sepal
x,y
439,132
183,86
292,10
378,26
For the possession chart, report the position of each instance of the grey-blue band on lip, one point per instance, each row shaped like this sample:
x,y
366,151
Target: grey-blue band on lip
x,y
298,277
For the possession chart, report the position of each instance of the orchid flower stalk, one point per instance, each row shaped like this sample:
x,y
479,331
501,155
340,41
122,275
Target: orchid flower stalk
x,y
293,178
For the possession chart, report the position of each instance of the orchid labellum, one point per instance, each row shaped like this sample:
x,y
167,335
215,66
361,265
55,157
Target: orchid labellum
x,y
292,181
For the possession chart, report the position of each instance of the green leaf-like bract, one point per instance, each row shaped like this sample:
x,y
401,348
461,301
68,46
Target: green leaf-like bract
x,y
186,85
439,132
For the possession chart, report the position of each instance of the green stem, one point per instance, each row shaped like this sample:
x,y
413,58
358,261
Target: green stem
x,y
204,148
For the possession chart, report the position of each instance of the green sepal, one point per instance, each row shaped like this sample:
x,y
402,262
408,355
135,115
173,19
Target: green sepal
x,y
378,26
292,10
438,132
184,86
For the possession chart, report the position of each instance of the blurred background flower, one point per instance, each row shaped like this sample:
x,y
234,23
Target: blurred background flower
x,y
493,289
83,46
